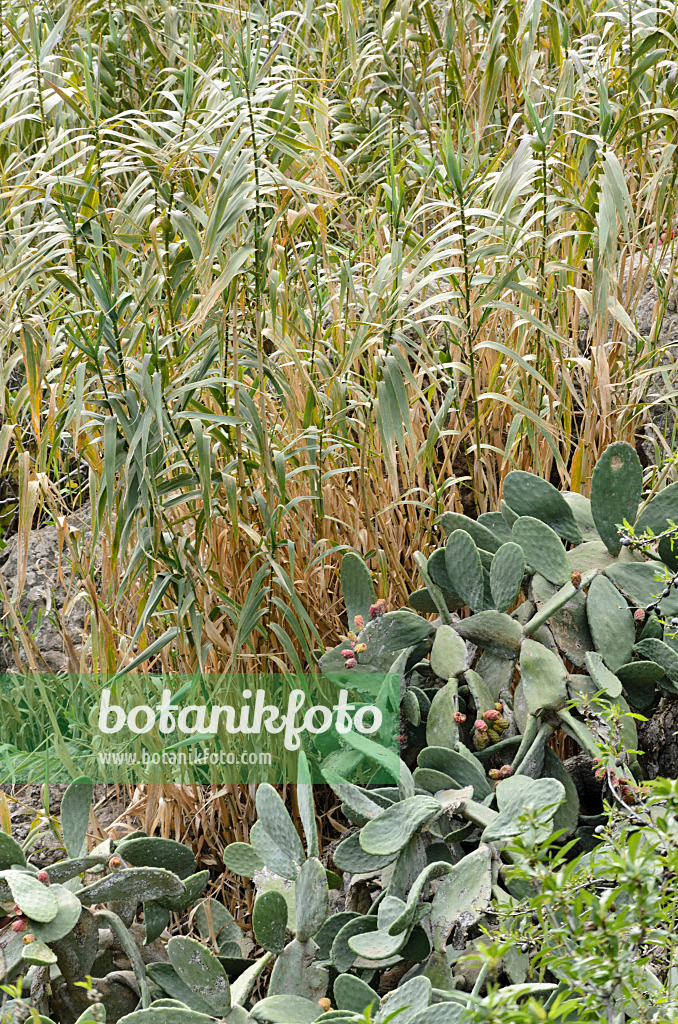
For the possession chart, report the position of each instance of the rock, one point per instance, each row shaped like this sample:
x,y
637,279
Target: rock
x,y
659,740
50,602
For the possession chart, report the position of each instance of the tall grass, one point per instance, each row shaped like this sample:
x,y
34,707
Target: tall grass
x,y
279,280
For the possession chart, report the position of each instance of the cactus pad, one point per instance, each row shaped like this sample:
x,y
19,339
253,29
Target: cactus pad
x,y
542,549
153,852
494,631
441,728
35,899
465,569
312,898
482,535
201,971
448,654
10,852
242,860
395,826
138,884
75,806
616,487
356,586
506,575
543,677
285,1009
69,909
269,921
464,892
529,495
610,622
350,856
352,993
602,677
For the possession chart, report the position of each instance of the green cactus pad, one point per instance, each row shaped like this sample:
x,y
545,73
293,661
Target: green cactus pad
x,y
541,797
465,569
395,826
446,1012
408,916
38,954
495,522
63,870
543,677
448,654
377,945
69,909
75,807
392,633
433,781
581,510
460,764
139,884
637,582
494,631
657,650
324,939
350,856
437,570
507,514
269,921
529,495
165,1015
195,886
351,993
616,488
343,957
411,708
10,852
35,899
158,853
275,858
312,898
465,891
591,555
356,586
506,575
273,816
482,536
156,919
201,971
242,860
285,1009
482,697
295,972
610,622
601,675
441,728
497,672
356,800
406,1001
542,549
640,673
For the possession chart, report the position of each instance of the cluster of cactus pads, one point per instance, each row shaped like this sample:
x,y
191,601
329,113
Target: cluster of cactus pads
x,y
72,948
569,622
570,617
